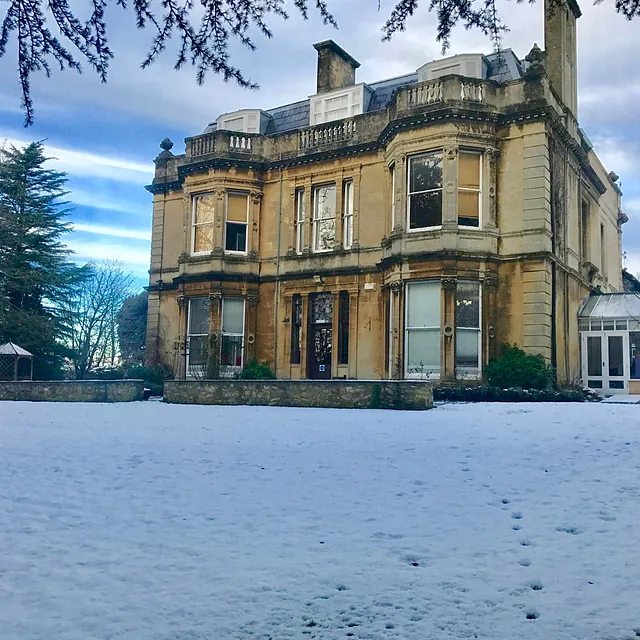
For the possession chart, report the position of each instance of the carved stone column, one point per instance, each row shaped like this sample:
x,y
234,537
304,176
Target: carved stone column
x,y
251,326
450,188
253,223
490,188
220,216
396,369
448,351
339,224
215,334
355,243
179,346
489,318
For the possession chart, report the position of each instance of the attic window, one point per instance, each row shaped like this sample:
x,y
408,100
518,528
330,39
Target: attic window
x,y
328,107
244,121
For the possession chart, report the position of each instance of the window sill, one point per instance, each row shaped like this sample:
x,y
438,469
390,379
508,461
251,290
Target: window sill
x,y
420,229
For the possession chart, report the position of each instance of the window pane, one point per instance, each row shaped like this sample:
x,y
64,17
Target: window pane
x,y
423,300
236,239
199,316
467,352
237,207
296,323
325,234
198,351
203,240
594,356
343,328
621,325
583,325
325,202
468,208
232,315
231,351
426,210
423,355
634,348
205,206
616,358
321,308
469,171
426,172
234,124
468,305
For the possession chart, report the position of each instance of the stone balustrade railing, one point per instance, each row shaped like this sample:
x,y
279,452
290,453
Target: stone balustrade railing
x,y
202,145
240,143
326,134
425,94
471,92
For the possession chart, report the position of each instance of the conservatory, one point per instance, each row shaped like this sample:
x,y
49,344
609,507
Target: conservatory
x,y
610,342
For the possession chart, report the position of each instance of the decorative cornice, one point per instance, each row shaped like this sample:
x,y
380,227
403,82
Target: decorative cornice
x,y
449,284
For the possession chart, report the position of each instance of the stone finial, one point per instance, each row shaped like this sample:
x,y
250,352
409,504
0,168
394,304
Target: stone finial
x,y
166,145
614,177
535,56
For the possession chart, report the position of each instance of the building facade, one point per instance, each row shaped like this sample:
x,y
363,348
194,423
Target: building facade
x,y
405,228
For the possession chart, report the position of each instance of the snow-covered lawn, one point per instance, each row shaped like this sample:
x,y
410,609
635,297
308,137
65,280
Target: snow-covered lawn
x,y
156,522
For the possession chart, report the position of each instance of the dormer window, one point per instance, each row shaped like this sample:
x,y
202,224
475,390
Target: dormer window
x,y
470,65
244,121
336,105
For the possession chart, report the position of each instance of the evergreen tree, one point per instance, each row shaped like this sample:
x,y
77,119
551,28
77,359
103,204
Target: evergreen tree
x,y
35,270
132,328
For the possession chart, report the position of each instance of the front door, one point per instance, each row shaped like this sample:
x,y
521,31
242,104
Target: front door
x,y
605,363
320,336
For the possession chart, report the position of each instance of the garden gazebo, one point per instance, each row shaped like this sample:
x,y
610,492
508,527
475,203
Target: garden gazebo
x,y
16,363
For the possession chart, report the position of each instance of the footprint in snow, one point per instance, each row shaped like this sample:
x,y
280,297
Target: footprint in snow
x,y
516,527
536,585
574,531
532,614
525,562
516,515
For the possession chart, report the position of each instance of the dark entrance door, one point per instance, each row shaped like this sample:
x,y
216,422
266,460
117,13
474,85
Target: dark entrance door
x,y
320,336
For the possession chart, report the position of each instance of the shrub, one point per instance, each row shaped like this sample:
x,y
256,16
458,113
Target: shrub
x,y
253,370
517,369
106,373
483,393
154,377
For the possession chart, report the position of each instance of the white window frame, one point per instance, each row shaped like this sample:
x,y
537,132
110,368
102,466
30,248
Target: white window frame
x,y
478,191
393,197
229,370
194,225
347,215
246,224
299,222
318,104
315,219
410,193
244,115
471,375
188,369
392,295
408,329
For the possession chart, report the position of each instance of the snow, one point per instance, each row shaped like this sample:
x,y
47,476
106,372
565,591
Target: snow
x,y
148,521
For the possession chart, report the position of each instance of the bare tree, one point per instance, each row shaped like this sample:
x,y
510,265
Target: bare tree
x,y
203,29
93,317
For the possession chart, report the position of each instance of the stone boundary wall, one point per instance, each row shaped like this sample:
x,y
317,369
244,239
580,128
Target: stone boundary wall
x,y
74,391
339,394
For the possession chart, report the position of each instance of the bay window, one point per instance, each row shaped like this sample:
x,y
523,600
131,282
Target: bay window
x,y
347,204
468,333
324,217
422,330
393,197
425,191
203,223
232,335
236,223
197,336
299,222
469,188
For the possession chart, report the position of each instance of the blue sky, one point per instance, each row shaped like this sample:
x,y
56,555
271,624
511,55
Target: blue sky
x,y
106,136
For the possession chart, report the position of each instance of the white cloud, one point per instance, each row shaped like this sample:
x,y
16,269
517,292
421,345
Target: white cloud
x,y
84,163
617,154
97,251
102,199
105,230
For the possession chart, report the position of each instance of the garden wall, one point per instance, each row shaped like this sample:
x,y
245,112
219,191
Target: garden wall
x,y
74,391
339,394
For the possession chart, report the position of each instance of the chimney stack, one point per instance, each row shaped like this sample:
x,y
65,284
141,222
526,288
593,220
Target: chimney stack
x,y
561,53
336,68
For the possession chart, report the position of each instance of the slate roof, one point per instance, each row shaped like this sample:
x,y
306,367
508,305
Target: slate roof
x,y
503,66
11,349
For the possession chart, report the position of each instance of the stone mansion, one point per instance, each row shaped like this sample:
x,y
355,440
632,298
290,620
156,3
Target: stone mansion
x,y
404,228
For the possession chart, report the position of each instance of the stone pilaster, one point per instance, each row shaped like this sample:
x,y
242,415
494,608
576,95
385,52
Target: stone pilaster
x,y
489,188
450,188
448,333
250,325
